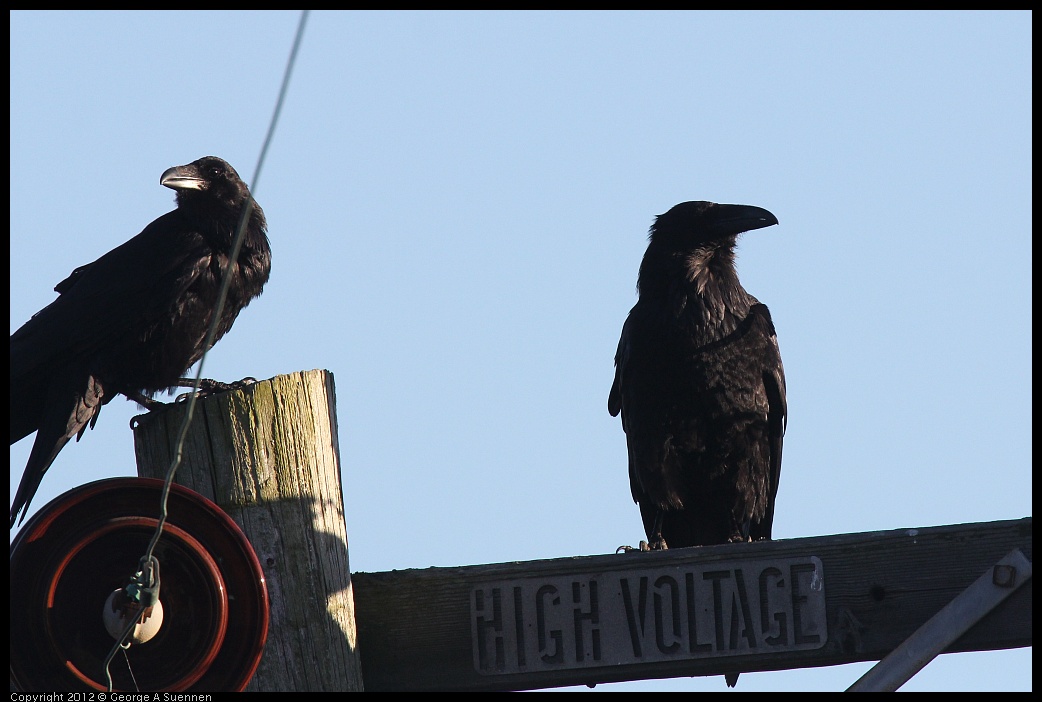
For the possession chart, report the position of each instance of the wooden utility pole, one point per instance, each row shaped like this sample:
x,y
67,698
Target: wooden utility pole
x,y
269,456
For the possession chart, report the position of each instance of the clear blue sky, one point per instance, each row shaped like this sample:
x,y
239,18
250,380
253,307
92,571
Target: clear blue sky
x,y
458,204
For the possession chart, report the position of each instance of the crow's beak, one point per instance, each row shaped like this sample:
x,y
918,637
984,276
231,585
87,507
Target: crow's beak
x,y
182,178
735,219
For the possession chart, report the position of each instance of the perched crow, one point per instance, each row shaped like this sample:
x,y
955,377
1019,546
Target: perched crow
x,y
699,382
135,320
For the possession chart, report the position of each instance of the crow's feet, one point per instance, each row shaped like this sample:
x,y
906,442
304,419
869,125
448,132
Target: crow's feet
x,y
658,544
209,387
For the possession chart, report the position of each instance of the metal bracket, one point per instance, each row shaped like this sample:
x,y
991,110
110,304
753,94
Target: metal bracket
x,y
969,606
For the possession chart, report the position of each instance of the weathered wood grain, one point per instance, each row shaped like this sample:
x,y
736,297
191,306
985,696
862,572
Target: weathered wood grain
x,y
269,456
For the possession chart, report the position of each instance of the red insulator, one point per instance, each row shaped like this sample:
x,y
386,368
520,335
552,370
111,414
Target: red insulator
x,y
67,560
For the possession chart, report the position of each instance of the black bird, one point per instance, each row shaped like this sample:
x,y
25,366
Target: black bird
x,y
700,385
133,321
699,382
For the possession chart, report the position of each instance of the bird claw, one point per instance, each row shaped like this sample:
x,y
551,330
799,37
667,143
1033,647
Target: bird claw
x,y
218,386
149,403
136,420
208,386
657,545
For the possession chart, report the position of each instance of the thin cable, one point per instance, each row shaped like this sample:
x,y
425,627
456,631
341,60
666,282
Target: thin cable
x,y
226,284
212,333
